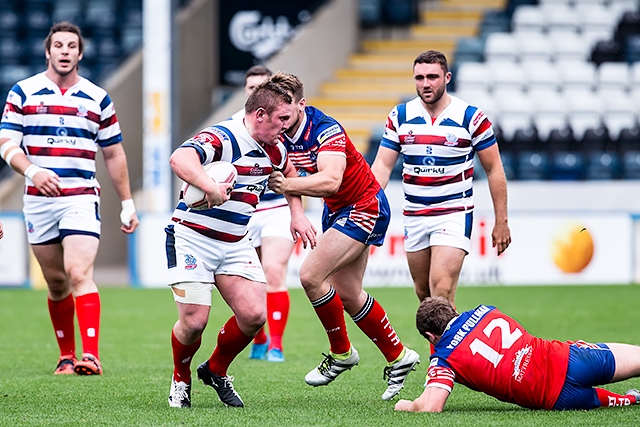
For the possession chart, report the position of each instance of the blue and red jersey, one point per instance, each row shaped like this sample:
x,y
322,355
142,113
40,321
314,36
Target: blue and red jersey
x,y
321,134
488,351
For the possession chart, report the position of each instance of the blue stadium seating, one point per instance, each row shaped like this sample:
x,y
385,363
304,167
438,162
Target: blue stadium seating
x,y
532,165
567,166
631,165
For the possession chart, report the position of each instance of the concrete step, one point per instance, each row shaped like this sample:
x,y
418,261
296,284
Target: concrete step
x,y
451,15
405,46
447,32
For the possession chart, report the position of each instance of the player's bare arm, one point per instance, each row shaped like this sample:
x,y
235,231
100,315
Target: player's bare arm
x,y
115,160
300,224
185,163
1,231
325,182
383,165
492,164
45,180
432,399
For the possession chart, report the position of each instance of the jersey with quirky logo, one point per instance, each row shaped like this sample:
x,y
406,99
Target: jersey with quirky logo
x,y
231,142
61,132
323,135
490,352
437,156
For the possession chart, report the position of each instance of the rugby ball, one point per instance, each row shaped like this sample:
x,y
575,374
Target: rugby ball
x,y
219,172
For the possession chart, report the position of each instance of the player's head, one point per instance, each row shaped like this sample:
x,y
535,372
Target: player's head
x,y
254,77
267,112
433,316
431,75
63,48
294,86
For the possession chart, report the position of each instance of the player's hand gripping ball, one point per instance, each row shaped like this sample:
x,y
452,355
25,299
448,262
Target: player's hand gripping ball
x,y
219,172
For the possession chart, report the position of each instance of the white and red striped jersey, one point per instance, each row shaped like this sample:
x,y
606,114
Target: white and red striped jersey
x,y
269,199
437,154
231,142
61,132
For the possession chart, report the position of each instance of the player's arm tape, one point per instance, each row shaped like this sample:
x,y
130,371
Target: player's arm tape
x,y
9,149
32,170
128,209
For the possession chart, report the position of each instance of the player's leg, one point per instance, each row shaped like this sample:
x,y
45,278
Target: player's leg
x,y
247,300
42,216
446,264
276,252
627,359
419,266
255,229
60,303
193,301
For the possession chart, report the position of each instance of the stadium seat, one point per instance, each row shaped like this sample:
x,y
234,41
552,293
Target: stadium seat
x,y
584,111
11,51
528,19
628,25
534,47
561,139
560,17
618,112
469,49
634,77
506,75
612,76
632,49
567,166
631,165
628,140
399,12
532,165
494,21
101,14
472,76
370,13
595,17
500,47
595,139
514,111
478,171
576,75
540,76
568,46
525,140
606,51
10,22
601,165
549,112
68,10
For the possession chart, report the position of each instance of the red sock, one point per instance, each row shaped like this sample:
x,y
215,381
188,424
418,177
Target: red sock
x,y
373,321
277,315
182,355
329,310
261,337
608,398
231,341
88,309
62,313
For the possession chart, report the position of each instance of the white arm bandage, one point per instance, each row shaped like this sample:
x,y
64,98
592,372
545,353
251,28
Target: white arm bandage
x,y
9,149
128,209
32,170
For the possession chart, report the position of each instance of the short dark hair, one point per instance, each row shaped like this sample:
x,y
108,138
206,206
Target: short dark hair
x,y
432,57
257,70
433,316
64,27
290,83
268,96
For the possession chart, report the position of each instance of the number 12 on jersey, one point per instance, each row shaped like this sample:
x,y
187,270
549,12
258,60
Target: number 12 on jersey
x,y
478,346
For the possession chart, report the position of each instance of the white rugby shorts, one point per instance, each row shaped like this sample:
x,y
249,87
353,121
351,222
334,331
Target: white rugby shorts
x,y
454,230
273,222
49,218
194,260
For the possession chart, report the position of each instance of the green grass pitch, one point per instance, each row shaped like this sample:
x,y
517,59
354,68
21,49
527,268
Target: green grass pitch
x,y
136,356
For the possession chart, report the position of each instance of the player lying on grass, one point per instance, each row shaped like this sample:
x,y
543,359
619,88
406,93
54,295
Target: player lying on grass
x,y
490,352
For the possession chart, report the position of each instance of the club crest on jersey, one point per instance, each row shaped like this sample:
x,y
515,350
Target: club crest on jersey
x,y
409,138
203,138
30,228
190,262
82,111
451,140
42,109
